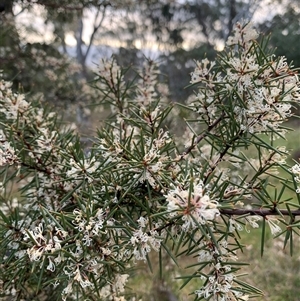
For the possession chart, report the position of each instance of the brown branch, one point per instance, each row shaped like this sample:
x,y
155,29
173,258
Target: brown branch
x,y
222,154
202,136
260,212
95,29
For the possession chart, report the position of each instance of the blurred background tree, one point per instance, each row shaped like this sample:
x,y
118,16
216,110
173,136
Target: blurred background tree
x,y
285,31
172,31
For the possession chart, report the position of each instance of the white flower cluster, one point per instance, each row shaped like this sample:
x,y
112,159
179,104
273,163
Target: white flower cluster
x,y
12,104
110,71
82,169
76,275
219,283
146,93
111,83
45,243
267,103
242,35
273,224
202,72
194,206
261,89
154,161
113,290
7,152
296,172
45,152
151,163
89,227
142,241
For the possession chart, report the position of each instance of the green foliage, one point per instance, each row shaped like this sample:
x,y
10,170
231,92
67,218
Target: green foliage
x,y
75,221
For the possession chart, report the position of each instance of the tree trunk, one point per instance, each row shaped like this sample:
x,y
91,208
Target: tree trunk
x,y
80,56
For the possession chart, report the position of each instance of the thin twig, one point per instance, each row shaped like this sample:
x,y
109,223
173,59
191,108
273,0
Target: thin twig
x,y
260,212
95,29
202,136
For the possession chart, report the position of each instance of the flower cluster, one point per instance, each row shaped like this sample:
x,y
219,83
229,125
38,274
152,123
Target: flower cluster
x,y
154,160
242,35
7,152
110,72
76,276
142,241
261,93
219,284
146,93
202,72
296,172
90,227
110,83
13,104
194,205
43,244
83,169
114,290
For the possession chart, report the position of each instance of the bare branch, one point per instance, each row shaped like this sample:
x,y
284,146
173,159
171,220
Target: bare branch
x,y
96,28
202,136
260,212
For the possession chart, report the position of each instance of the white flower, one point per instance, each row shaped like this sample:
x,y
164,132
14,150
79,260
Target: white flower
x,y
252,221
195,207
110,71
296,172
143,242
51,265
242,35
7,152
234,225
142,222
120,281
83,282
205,255
272,222
202,71
13,105
67,290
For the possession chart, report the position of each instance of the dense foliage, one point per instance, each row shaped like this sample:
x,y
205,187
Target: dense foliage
x,y
75,221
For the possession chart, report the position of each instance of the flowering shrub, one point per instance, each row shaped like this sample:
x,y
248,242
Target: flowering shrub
x,y
75,221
